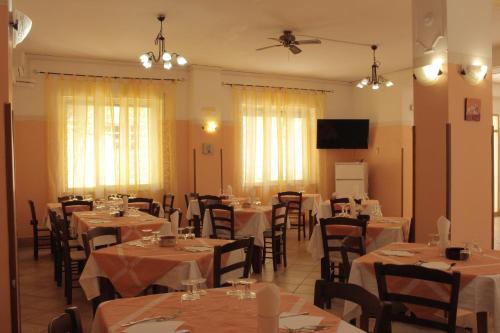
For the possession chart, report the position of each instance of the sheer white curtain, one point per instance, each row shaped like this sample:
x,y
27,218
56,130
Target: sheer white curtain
x,y
107,136
275,134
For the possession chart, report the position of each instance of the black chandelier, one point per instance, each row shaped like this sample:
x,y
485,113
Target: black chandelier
x,y
168,58
375,80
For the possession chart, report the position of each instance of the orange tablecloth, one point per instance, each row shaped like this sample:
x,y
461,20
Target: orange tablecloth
x,y
131,269
215,313
379,232
248,222
130,226
479,285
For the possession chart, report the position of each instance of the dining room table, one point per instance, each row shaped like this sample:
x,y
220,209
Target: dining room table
x,y
367,207
132,267
310,204
215,312
479,278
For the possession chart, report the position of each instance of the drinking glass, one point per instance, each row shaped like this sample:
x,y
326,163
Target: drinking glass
x,y
146,236
200,286
433,240
234,288
180,233
156,236
191,290
190,233
247,292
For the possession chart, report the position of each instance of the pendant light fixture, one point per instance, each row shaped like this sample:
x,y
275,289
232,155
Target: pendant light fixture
x,y
375,80
168,58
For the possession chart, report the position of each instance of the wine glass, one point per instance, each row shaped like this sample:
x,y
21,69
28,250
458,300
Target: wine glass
x,y
191,290
201,284
190,233
247,292
234,288
433,240
156,236
180,233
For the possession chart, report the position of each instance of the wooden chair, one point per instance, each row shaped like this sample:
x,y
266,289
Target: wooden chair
x,y
73,261
245,244
222,220
107,292
203,202
68,322
42,237
332,259
89,237
54,224
168,201
334,202
147,201
371,306
155,209
294,200
190,196
276,236
404,322
69,197
67,212
351,247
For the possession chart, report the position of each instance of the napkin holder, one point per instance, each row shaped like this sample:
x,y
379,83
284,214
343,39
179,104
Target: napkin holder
x,y
167,241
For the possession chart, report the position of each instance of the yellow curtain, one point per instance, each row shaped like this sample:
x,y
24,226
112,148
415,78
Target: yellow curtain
x,y
275,137
107,136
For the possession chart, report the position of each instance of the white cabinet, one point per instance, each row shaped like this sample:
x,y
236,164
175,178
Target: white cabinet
x,y
351,179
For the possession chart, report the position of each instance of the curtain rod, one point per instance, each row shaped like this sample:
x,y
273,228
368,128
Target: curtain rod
x,y
109,77
257,86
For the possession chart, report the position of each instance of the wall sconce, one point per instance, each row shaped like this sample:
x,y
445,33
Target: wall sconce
x,y
474,74
429,74
210,126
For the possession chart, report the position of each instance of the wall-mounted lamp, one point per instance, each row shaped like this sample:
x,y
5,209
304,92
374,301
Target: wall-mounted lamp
x,y
210,126
429,74
474,74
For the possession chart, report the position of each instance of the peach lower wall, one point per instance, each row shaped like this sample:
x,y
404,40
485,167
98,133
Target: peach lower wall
x,y
384,158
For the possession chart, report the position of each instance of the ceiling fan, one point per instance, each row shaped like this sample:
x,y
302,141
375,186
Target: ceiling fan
x,y
288,40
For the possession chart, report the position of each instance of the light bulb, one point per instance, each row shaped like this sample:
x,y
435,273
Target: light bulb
x,y
389,84
360,85
375,86
147,64
181,61
364,81
144,58
166,56
167,65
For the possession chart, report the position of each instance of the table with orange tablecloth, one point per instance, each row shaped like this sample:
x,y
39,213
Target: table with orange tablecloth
x,y
479,283
132,268
130,225
380,231
215,313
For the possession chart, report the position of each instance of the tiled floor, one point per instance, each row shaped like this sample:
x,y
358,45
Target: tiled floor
x,y
41,299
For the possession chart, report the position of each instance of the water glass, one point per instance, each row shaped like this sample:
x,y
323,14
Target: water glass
x,y
156,236
146,236
201,286
433,240
180,233
247,292
191,290
234,288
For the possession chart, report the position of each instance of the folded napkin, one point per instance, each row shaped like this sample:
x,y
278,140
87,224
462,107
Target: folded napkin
x,y
296,322
167,326
125,202
197,248
443,226
268,308
166,229
444,266
397,253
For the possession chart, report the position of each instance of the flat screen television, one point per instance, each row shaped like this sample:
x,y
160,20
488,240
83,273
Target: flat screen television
x,y
342,133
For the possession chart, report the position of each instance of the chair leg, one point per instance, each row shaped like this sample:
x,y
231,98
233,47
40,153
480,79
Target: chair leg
x,y
304,225
274,254
264,253
283,244
35,243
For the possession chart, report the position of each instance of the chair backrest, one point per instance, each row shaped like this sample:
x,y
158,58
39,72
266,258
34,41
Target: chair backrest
x,y
190,196
69,197
279,218
206,200
147,201
67,212
170,213
294,200
90,236
222,219
68,322
155,209
414,272
351,245
55,226
370,305
168,201
34,220
245,244
334,202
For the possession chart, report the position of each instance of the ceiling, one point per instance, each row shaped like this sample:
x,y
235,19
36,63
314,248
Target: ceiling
x,y
225,33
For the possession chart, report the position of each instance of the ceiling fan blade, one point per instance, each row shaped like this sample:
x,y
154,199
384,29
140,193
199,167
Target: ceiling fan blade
x,y
308,41
267,47
275,39
294,49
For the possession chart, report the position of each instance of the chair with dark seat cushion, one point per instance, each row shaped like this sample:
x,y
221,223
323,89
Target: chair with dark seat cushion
x,y
42,237
68,322
112,234
371,306
246,245
222,220
276,236
148,204
331,263
409,321
295,213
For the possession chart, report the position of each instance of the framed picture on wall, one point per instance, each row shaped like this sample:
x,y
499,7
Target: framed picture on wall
x,y
472,109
